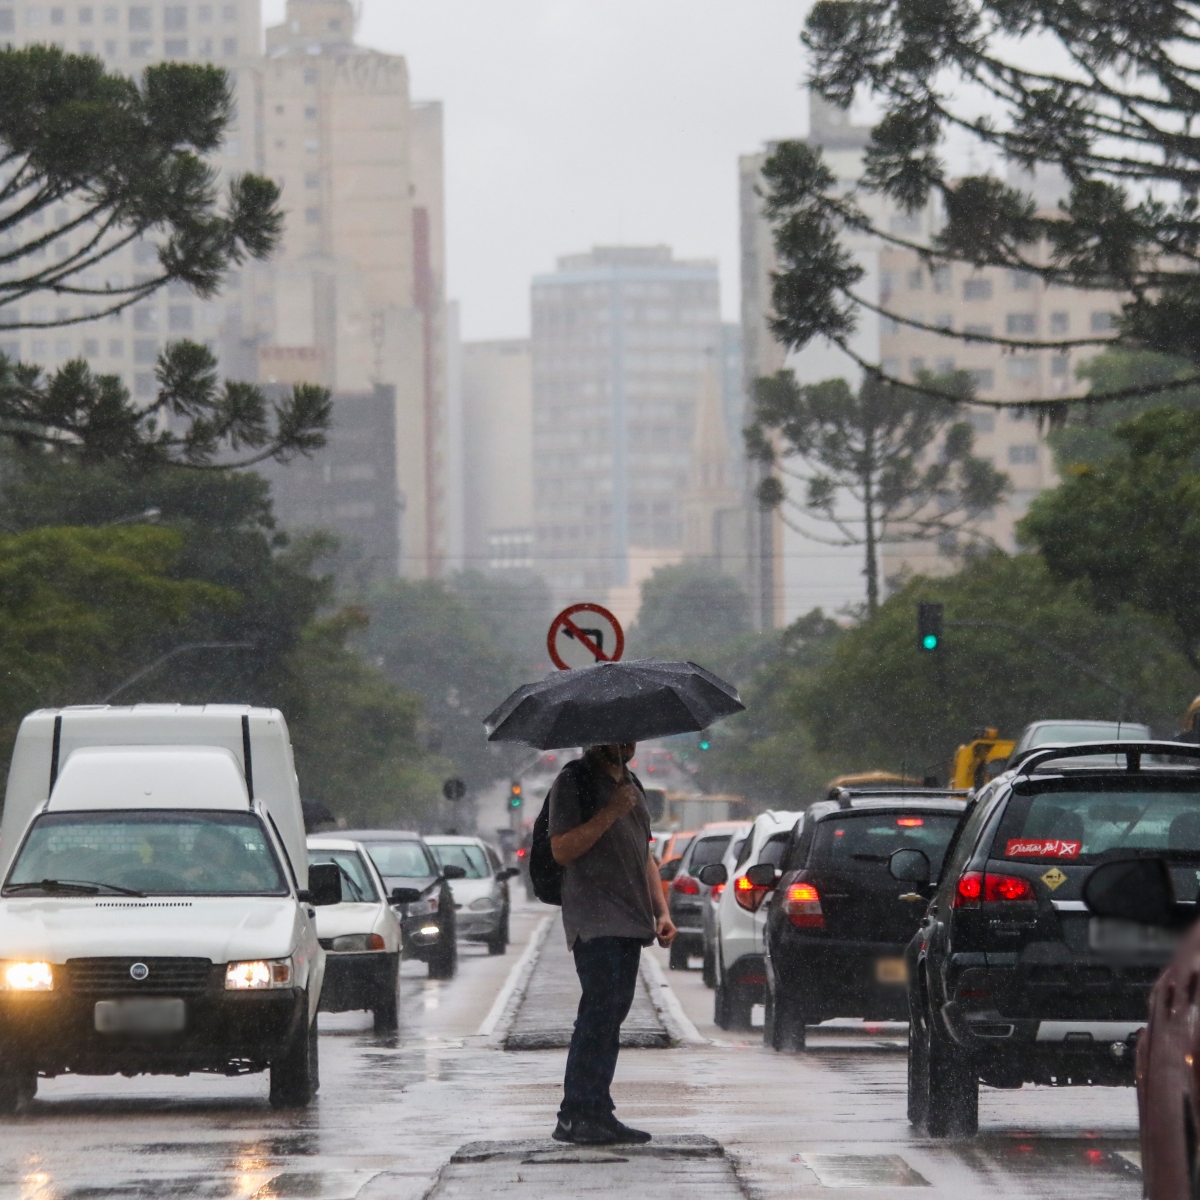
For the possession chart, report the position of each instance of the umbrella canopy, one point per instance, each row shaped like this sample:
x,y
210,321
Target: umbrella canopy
x,y
613,702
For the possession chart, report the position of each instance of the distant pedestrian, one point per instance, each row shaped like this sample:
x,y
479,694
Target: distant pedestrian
x,y
612,905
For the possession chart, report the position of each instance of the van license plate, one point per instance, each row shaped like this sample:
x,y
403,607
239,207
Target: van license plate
x,y
140,1014
891,970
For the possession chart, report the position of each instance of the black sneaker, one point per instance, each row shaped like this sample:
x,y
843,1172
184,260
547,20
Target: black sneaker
x,y
562,1131
622,1133
590,1131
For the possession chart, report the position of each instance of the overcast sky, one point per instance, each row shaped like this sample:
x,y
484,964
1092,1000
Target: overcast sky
x,y
571,123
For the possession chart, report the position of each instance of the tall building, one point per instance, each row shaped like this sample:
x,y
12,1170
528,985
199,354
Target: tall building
x,y
498,463
130,37
623,338
355,297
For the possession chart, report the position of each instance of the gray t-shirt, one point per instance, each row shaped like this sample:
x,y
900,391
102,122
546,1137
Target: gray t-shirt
x,y
605,892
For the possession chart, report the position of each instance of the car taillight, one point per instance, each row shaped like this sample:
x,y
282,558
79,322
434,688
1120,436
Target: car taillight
x,y
717,889
521,852
803,906
685,885
974,886
747,895
910,822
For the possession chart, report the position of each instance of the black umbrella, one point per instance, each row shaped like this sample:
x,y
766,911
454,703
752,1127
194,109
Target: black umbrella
x,y
613,702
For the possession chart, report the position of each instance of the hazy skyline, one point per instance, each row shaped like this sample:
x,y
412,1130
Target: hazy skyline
x,y
572,123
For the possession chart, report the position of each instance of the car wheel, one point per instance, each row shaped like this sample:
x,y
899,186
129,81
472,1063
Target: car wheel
x,y
443,961
498,942
18,1086
709,971
953,1085
731,1006
918,1069
295,1074
787,1026
386,1012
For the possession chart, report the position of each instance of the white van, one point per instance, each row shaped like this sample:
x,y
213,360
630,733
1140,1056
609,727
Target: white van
x,y
155,900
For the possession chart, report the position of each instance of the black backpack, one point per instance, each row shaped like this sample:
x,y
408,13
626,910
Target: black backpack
x,y
545,874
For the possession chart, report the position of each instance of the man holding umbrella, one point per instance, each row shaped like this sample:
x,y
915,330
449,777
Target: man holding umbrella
x,y
612,906
599,834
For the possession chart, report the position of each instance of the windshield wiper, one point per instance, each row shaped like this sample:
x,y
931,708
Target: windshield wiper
x,y
72,886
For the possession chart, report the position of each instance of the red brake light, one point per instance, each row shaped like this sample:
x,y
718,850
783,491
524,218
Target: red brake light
x,y
521,852
969,890
716,890
1007,887
685,885
803,906
910,822
747,895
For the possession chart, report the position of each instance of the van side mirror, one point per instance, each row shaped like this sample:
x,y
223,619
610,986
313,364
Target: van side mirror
x,y
763,875
405,895
453,871
910,866
324,884
1132,889
713,875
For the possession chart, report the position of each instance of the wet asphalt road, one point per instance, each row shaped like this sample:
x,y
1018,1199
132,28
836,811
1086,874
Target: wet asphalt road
x,y
390,1115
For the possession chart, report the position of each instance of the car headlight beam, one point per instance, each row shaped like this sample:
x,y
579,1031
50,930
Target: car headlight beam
x,y
27,977
260,974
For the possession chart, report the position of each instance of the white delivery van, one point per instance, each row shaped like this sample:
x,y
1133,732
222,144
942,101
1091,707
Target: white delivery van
x,y
155,900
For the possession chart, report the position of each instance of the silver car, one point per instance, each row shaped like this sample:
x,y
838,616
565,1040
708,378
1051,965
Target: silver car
x,y
481,899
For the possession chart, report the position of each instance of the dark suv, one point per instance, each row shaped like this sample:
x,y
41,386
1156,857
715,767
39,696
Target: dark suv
x,y
838,923
1011,980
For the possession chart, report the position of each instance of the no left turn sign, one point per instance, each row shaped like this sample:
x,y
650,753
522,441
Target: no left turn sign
x,y
584,634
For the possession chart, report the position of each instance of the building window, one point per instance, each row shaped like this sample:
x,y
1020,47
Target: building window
x,y
229,12
85,45
312,180
145,320
143,385
983,378
977,289
310,112
916,366
140,19
229,47
1060,365
887,283
145,350
1103,322
1060,322
140,48
116,348
941,278
91,347
110,15
310,74
944,366
85,15
312,216
58,16
889,326
890,366
175,18
943,321
1021,323
179,318
1024,455
204,47
916,280
977,331
204,13
1021,281
982,422
1024,370
312,145
7,24
175,47
33,18
110,48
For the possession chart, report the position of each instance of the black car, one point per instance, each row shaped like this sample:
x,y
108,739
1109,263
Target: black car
x,y
685,896
427,921
1011,980
838,923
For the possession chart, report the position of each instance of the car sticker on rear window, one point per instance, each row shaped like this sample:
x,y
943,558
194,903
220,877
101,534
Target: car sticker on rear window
x,y
1042,848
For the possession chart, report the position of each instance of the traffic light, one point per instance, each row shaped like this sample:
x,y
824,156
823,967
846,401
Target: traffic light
x,y
515,794
929,627
705,743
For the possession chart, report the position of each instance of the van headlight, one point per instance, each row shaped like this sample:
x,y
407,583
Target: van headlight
x,y
357,941
258,975
26,977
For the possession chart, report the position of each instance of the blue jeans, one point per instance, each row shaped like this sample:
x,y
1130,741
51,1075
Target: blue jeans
x,y
608,973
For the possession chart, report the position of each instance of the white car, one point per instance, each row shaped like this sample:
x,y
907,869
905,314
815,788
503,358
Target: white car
x,y
481,899
360,936
739,920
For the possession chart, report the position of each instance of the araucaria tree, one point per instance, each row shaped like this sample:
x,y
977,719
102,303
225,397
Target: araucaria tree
x,y
1106,93
859,461
91,162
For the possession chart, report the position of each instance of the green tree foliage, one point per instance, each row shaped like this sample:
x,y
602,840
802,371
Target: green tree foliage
x,y
427,640
1129,528
856,459
879,702
90,162
355,735
1115,119
690,612
79,606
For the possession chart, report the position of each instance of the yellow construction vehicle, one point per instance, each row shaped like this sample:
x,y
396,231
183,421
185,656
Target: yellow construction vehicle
x,y
981,759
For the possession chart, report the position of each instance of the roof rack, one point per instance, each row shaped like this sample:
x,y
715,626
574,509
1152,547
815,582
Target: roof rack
x,y
846,795
1132,751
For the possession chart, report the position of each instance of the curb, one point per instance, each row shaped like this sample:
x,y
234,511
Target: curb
x,y
670,1012
500,1016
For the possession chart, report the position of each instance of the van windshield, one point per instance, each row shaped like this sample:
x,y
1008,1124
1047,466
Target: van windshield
x,y
155,853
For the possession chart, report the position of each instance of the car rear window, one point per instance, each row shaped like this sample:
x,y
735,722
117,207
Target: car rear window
x,y
357,885
1084,826
865,841
708,850
470,858
401,860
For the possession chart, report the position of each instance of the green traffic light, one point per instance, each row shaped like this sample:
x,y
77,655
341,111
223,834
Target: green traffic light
x,y
705,744
929,642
